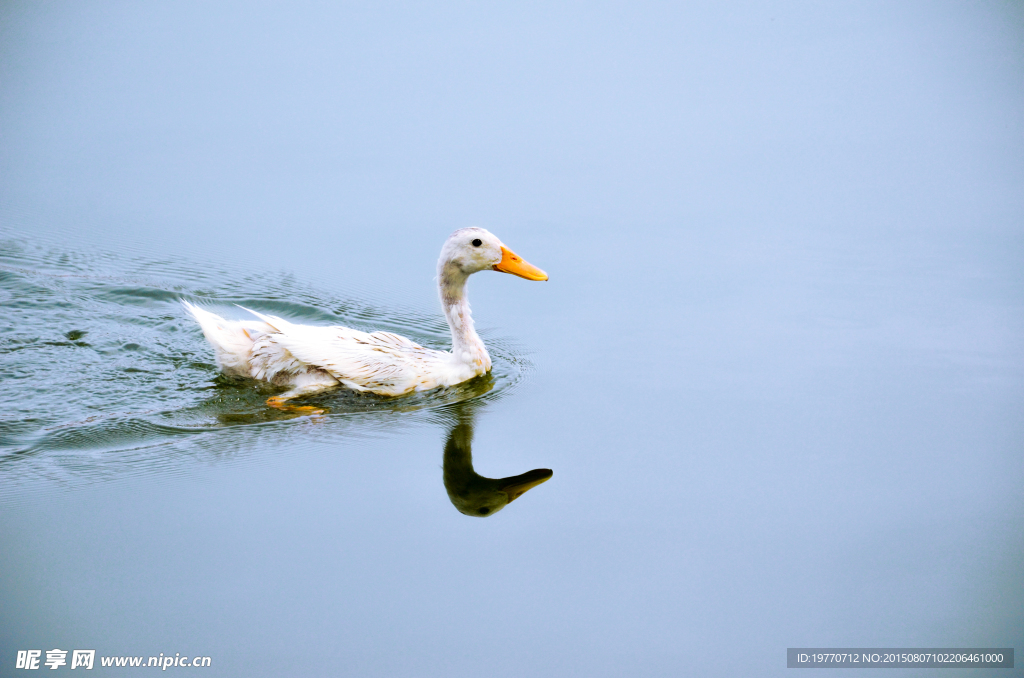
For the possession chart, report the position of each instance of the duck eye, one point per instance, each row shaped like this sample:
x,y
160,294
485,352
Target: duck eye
x,y
478,242
484,511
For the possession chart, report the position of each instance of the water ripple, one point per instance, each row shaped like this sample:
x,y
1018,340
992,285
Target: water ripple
x,y
103,374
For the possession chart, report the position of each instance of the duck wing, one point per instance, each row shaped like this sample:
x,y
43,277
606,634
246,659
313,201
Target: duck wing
x,y
380,362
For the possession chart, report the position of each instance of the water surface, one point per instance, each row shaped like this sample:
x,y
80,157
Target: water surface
x,y
104,371
776,372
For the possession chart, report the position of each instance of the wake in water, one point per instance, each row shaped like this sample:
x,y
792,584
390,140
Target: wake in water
x,y
102,373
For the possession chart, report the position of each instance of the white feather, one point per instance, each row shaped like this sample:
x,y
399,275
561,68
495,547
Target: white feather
x,y
309,359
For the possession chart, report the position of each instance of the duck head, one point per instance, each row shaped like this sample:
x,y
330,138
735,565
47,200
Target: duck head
x,y
470,250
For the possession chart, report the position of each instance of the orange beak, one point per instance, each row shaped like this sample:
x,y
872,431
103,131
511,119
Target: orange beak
x,y
514,264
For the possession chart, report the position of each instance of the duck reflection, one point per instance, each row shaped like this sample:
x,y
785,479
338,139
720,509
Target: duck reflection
x,y
470,492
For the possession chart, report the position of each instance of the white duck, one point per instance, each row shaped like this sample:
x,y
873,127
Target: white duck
x,y
310,359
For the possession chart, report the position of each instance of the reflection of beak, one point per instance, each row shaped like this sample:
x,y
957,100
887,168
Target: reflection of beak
x,y
514,264
515,486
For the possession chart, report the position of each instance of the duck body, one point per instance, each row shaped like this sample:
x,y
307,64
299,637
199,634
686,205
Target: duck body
x,y
307,359
297,356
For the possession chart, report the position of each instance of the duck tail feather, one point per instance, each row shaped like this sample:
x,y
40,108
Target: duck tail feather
x,y
230,341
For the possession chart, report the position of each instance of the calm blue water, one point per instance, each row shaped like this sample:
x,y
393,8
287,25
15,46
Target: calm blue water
x,y
777,372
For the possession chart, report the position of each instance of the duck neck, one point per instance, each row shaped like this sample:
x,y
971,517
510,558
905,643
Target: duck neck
x,y
467,346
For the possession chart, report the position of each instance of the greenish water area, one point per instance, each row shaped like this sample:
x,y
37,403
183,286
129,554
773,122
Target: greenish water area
x,y
769,397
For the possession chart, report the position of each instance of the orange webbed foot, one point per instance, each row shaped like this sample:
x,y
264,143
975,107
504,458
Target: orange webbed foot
x,y
282,404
